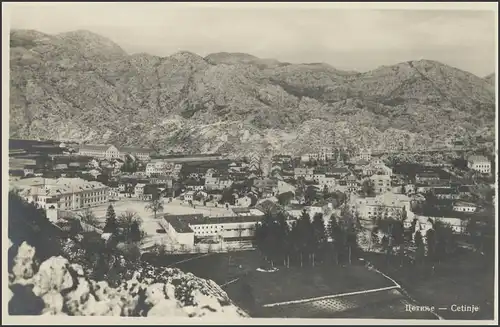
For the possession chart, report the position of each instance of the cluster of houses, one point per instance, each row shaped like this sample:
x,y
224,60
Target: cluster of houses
x,y
336,183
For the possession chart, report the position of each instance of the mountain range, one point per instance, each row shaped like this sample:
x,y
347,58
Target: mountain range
x,y
81,86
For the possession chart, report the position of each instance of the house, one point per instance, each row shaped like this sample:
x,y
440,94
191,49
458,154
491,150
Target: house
x,y
381,183
139,189
61,166
188,196
464,190
94,173
29,170
244,201
99,151
266,186
479,163
295,210
427,177
463,206
445,193
195,185
365,154
159,167
217,182
162,180
284,187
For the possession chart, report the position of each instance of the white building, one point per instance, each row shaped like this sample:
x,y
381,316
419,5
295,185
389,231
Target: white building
x,y
63,193
185,229
463,206
106,151
381,183
159,167
387,205
139,189
480,164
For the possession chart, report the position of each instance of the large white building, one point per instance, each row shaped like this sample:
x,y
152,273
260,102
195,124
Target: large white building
x,y
106,151
63,193
388,205
480,164
185,229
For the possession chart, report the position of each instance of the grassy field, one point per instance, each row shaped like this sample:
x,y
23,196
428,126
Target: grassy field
x,y
465,280
219,267
250,289
295,283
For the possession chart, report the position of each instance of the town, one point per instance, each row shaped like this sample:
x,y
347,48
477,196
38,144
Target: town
x,y
187,204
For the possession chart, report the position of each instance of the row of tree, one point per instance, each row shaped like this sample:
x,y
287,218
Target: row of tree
x,y
306,240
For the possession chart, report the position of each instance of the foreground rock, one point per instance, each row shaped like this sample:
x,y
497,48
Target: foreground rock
x,y
57,287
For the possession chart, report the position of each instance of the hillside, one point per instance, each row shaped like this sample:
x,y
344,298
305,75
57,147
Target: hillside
x,y
81,86
490,79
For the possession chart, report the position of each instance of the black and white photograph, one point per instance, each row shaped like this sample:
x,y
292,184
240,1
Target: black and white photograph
x,y
220,162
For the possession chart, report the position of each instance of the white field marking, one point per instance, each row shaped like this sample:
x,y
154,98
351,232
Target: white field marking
x,y
231,281
330,296
404,291
188,259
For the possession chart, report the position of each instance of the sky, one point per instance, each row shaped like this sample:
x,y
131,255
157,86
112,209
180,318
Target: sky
x,y
351,39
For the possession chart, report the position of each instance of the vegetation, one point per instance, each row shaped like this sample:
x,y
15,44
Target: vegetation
x,y
155,206
305,241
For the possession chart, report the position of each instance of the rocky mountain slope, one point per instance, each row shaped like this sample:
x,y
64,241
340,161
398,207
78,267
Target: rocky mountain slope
x,y
81,86
490,79
59,287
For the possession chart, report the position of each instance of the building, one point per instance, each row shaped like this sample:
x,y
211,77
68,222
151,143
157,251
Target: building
x,y
162,180
63,193
159,167
386,205
195,185
266,186
187,229
188,196
217,182
106,151
381,183
365,154
139,189
100,151
463,206
427,177
479,163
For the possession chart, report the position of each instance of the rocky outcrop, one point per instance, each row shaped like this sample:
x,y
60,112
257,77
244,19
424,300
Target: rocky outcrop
x,y
58,287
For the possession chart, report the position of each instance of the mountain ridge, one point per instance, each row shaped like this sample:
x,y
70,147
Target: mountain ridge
x,y
104,94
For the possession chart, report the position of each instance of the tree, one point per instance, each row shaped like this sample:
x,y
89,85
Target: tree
x,y
303,235
228,196
338,237
155,206
420,248
326,192
319,235
310,195
430,237
135,232
88,217
368,188
111,222
125,222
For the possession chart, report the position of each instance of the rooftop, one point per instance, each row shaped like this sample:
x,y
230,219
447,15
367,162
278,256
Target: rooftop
x,y
182,223
478,159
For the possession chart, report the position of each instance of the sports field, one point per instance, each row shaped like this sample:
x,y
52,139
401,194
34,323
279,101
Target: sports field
x,y
250,289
